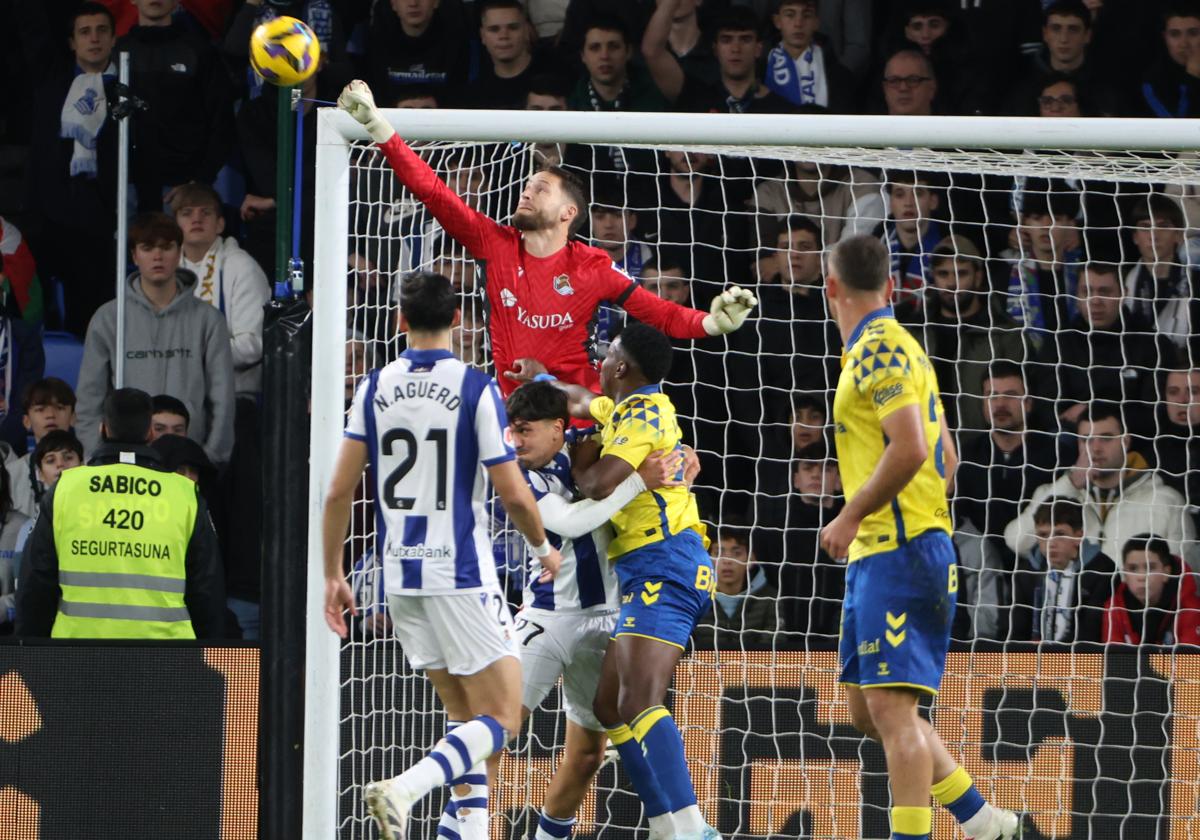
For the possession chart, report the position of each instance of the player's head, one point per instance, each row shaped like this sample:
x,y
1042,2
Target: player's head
x,y
552,198
427,303
538,417
639,356
858,273
126,416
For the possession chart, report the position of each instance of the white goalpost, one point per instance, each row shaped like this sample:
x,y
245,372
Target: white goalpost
x,y
1090,743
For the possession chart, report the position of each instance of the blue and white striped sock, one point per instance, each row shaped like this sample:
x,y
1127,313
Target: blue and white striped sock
x,y
448,824
552,828
453,756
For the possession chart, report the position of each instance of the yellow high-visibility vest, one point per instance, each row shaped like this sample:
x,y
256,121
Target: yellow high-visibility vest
x,y
121,532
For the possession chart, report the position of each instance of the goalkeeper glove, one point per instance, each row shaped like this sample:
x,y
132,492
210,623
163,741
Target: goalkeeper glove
x,y
357,101
729,310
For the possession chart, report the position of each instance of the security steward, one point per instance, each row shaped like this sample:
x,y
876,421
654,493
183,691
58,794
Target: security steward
x,y
122,549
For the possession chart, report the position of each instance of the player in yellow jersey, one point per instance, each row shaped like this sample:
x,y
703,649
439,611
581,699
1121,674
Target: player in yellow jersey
x,y
894,453
664,570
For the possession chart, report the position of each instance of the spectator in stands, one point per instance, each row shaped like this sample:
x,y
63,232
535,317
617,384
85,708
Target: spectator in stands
x,y
776,474
1109,355
911,233
174,342
169,416
844,200
744,610
547,93
965,329
692,214
1058,96
418,97
14,530
909,84
369,297
1061,586
1171,88
686,40
49,405
22,362
737,44
185,133
227,277
1154,604
183,455
72,183
611,81
1065,56
803,68
1000,471
811,583
1120,493
55,453
1176,440
614,228
506,34
467,338
809,417
1159,286
666,277
1045,274
931,26
415,43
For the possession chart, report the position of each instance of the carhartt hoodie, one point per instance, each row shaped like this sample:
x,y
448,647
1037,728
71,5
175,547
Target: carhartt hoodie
x,y
183,351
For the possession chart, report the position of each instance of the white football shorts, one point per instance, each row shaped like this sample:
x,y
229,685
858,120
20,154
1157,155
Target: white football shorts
x,y
570,645
462,632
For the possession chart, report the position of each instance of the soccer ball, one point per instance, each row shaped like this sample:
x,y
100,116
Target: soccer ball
x,y
284,51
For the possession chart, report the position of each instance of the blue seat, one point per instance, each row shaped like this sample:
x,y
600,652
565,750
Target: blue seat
x,y
64,355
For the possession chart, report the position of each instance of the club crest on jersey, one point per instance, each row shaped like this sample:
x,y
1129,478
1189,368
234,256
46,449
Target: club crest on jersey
x,y
562,285
508,298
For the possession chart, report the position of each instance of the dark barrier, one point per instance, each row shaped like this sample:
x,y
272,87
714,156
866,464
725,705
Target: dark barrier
x,y
128,742
1089,745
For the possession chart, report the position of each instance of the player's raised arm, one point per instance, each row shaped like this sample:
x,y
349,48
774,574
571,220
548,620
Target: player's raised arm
x,y
728,312
469,227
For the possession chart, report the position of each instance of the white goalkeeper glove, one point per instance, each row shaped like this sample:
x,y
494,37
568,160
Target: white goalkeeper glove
x,y
357,101
730,309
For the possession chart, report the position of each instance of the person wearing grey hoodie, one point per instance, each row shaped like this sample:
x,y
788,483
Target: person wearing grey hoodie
x,y
175,343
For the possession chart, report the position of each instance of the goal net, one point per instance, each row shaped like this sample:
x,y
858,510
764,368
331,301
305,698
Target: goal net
x,y
1046,268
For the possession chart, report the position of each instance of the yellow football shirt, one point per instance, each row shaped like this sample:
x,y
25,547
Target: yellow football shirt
x,y
884,369
643,423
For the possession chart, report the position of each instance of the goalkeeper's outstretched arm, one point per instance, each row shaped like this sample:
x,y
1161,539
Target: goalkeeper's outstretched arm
x,y
729,310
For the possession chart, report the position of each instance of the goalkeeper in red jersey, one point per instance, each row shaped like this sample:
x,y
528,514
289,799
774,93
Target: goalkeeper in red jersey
x,y
543,287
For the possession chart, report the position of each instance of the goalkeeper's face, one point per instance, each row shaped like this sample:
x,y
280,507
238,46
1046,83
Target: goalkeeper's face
x,y
537,442
542,206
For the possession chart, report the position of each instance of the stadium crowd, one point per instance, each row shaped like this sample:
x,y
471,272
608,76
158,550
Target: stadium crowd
x,y
1060,313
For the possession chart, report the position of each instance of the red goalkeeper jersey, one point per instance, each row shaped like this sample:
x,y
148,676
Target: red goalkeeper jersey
x,y
538,307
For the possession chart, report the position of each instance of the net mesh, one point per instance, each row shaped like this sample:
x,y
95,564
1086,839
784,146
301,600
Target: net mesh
x,y
1068,284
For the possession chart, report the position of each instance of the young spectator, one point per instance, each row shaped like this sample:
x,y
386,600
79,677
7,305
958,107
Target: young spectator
x,y
631,15
468,338
185,133
1000,471
666,277
614,228
72,184
802,68
909,84
911,233
416,97
1045,275
965,329
844,200
547,93
1154,604
611,81
174,342
931,27
737,45
1109,355
14,530
49,406
775,461
1060,588
1159,286
506,34
169,416
227,277
1120,493
55,453
744,608
1171,88
415,43
1065,56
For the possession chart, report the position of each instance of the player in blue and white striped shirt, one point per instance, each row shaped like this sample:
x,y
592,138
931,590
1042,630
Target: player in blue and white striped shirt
x,y
565,623
426,423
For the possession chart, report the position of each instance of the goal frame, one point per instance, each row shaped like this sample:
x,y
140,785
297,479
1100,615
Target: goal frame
x,y
336,131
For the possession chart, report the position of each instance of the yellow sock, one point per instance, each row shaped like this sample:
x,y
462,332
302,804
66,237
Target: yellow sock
x,y
908,821
951,788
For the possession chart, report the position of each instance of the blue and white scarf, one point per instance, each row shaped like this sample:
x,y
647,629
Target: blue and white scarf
x,y
84,112
801,81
